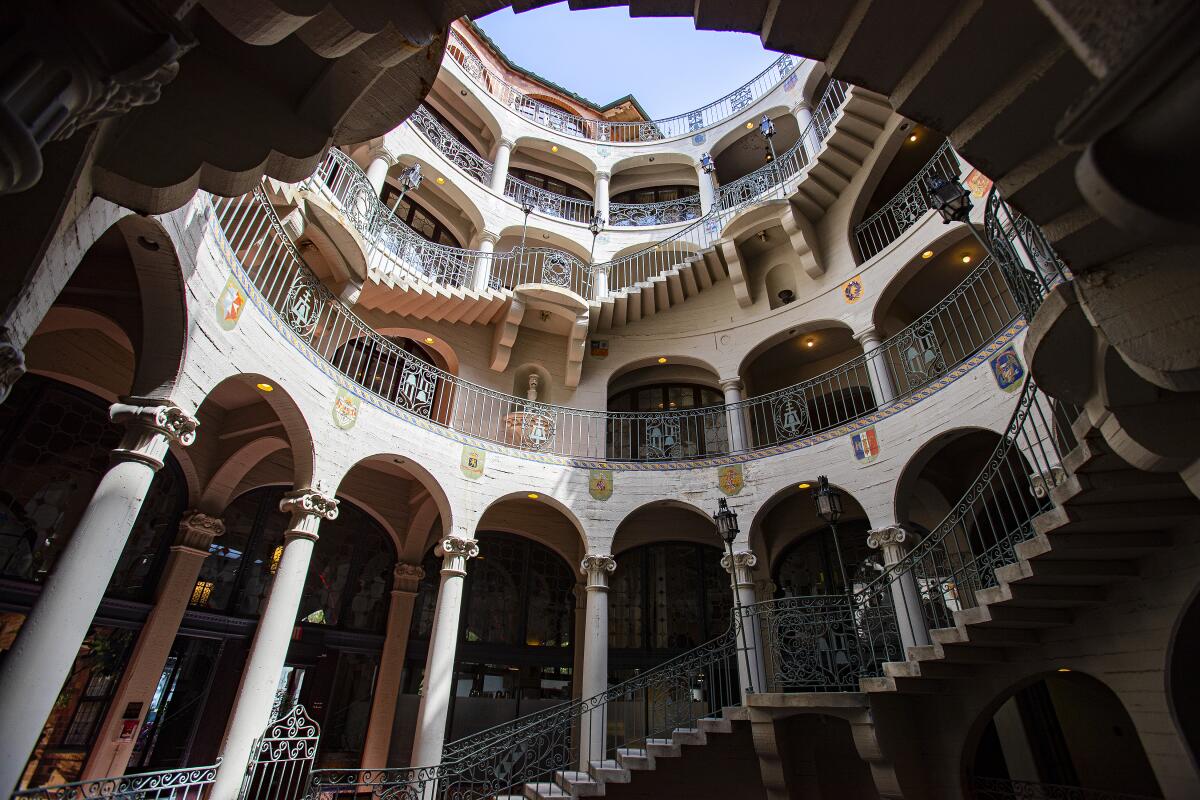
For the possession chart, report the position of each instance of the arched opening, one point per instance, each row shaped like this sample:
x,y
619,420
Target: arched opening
x,y
745,149
799,385
653,190
55,442
406,372
665,411
781,285
1064,734
1183,690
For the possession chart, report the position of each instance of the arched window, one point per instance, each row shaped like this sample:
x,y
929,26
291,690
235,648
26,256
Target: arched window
x,y
55,443
348,581
809,566
665,598
417,217
664,436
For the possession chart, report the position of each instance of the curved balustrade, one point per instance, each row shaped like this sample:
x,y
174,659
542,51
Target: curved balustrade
x,y
906,207
559,121
171,784
549,203
968,318
449,146
666,212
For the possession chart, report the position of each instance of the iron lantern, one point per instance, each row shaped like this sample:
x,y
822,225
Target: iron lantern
x,y
706,164
766,127
726,519
828,501
949,198
597,224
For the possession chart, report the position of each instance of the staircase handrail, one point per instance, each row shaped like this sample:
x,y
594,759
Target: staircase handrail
x,y
906,206
181,782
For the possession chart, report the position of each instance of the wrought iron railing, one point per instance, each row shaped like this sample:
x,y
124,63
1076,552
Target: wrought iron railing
x,y
666,212
189,783
906,207
971,316
549,203
567,124
446,143
1004,789
1029,263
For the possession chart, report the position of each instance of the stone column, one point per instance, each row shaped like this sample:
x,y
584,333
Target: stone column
x,y
751,667
443,642
894,541
379,161
878,371
736,417
406,582
597,568
708,194
802,111
500,164
580,594
42,654
483,264
600,195
268,652
12,363
110,754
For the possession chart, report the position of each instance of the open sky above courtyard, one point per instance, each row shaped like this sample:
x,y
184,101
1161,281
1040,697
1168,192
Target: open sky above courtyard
x,y
603,54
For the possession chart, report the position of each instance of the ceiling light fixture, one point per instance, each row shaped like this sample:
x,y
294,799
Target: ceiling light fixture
x,y
553,148
810,343
804,485
749,126
966,259
662,359
533,495
265,387
912,138
429,340
439,180
928,254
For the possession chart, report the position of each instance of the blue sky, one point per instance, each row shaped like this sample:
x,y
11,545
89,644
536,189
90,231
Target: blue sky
x,y
602,54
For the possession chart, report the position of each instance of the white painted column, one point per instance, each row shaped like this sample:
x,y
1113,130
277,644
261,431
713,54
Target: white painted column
x,y
878,371
812,141
45,648
443,643
110,755
260,677
597,568
483,264
406,581
599,283
500,164
736,418
894,541
600,195
379,161
708,195
751,667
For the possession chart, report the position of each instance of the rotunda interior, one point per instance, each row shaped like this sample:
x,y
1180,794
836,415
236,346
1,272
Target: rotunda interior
x,y
380,417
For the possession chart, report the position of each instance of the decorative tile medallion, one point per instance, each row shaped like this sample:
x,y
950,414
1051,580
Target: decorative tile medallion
x,y
699,138
472,461
345,409
1008,369
978,183
600,484
852,290
230,304
731,479
865,444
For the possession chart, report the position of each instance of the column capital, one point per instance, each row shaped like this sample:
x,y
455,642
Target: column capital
x,y
307,507
870,333
150,427
597,567
743,559
197,530
381,153
890,536
731,384
455,552
801,105
12,362
407,577
488,236
507,142
603,175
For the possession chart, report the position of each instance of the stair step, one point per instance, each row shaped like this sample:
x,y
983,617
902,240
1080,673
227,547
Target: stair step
x,y
715,725
904,685
663,748
579,784
633,758
956,654
1115,517
610,771
1009,617
987,637
1100,546
736,713
1129,486
1074,572
541,790
1023,594
928,669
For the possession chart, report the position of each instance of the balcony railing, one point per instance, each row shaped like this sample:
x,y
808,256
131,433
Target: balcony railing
x,y
449,146
974,314
907,207
189,783
549,203
559,121
666,212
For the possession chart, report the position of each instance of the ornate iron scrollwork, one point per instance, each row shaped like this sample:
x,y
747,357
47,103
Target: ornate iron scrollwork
x,y
663,436
557,268
790,414
920,354
418,383
302,306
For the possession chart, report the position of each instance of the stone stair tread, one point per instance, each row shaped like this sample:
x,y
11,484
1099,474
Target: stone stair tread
x,y
545,789
715,725
610,771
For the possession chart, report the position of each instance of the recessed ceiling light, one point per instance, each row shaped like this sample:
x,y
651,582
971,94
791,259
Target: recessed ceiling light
x,y
1064,669
545,236
804,485
966,259
429,340
662,359
928,254
463,92
533,495
266,387
810,343
553,148
749,125
439,180
912,138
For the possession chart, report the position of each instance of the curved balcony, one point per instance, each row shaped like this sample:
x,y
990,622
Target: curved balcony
x,y
668,212
972,316
572,209
559,121
907,206
341,177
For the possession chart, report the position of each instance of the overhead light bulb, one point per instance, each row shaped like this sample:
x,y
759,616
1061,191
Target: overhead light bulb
x,y
553,148
266,387
439,180
966,259
912,138
533,495
928,254
662,359
810,343
749,126
804,485
429,340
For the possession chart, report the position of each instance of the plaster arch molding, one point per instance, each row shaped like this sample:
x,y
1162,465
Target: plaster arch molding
x,y
260,344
